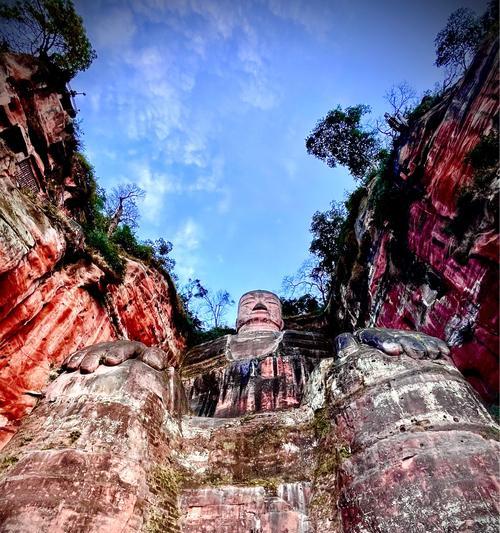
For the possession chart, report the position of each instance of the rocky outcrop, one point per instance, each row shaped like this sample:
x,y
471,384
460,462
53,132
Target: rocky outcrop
x,y
411,431
412,272
378,443
36,126
56,296
95,455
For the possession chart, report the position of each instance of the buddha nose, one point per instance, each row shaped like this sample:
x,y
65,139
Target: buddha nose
x,y
259,307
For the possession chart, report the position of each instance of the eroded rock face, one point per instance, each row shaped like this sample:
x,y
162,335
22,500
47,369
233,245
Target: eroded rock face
x,y
444,293
244,509
378,443
36,125
417,449
54,296
88,458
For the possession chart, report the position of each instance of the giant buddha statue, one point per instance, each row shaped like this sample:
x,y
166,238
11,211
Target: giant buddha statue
x,y
268,430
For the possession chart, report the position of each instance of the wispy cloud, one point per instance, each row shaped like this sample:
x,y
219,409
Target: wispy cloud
x,y
315,16
156,186
112,28
186,243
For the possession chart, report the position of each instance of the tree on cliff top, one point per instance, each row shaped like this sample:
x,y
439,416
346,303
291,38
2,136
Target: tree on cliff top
x,y
459,40
49,29
121,206
327,229
340,139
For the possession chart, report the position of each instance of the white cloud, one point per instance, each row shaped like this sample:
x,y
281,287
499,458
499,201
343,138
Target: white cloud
x,y
151,88
188,236
257,89
156,186
209,182
186,242
316,16
113,28
224,204
257,93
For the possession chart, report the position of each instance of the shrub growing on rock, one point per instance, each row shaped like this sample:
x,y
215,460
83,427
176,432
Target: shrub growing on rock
x,y
51,30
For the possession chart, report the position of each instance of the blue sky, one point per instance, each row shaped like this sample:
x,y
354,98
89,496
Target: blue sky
x,y
206,104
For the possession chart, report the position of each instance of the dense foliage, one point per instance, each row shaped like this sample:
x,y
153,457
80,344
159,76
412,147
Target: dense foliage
x,y
457,41
340,139
327,230
51,30
304,304
122,239
460,39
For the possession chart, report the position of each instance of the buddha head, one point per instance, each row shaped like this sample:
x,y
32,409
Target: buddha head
x,y
259,311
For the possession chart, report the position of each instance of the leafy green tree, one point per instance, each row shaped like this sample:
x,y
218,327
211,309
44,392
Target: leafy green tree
x,y
161,249
457,42
305,304
328,230
49,29
340,139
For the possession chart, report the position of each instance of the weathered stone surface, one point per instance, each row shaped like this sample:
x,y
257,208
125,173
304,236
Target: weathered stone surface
x,y
456,300
247,474
85,458
262,449
417,449
54,296
246,509
375,433
36,124
47,318
252,371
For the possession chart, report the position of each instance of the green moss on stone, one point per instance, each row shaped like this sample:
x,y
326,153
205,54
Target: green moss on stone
x,y
7,461
321,423
74,436
163,516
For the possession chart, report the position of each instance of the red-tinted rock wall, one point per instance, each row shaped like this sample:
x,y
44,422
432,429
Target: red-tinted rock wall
x,y
418,449
457,298
55,296
93,455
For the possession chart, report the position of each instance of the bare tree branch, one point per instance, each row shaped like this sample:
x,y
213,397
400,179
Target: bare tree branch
x,y
122,206
310,278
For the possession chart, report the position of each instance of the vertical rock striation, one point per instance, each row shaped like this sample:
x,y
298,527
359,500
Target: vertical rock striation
x,y
55,296
415,274
419,451
94,455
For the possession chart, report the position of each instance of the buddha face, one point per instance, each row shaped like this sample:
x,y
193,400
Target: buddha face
x,y
259,311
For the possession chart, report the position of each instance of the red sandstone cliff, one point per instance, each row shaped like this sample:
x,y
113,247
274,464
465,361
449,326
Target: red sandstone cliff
x,y
449,286
56,296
